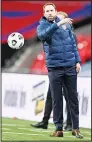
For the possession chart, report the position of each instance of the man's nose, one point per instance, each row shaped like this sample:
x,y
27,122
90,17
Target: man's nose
x,y
50,14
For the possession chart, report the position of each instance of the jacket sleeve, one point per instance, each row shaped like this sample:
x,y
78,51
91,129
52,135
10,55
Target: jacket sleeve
x,y
44,33
74,40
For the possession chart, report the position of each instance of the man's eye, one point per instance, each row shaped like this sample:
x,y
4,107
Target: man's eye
x,y
47,11
51,10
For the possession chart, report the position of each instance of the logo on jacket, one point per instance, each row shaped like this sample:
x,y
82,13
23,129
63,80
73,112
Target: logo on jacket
x,y
64,27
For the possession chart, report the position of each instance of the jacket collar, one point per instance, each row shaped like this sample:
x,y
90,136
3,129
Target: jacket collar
x,y
57,19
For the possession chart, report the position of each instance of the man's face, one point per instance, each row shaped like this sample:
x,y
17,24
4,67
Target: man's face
x,y
60,16
50,13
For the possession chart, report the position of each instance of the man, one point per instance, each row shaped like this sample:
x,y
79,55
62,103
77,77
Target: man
x,y
48,108
62,15
63,64
48,104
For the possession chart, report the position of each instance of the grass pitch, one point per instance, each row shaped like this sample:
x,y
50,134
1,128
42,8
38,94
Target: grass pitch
x,y
20,130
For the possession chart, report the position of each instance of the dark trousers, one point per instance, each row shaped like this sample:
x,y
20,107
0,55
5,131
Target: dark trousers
x,y
68,76
48,106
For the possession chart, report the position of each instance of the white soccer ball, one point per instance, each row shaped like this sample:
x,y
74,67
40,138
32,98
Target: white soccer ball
x,y
15,40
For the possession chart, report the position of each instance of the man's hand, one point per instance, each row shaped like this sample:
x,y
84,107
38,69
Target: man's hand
x,y
78,67
66,20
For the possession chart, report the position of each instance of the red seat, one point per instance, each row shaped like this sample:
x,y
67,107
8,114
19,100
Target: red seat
x,y
38,66
83,47
88,37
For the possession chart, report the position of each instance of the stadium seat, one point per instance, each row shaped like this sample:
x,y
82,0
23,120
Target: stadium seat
x,y
84,47
88,37
38,66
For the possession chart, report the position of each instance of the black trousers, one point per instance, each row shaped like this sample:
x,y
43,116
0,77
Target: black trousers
x,y
68,76
48,106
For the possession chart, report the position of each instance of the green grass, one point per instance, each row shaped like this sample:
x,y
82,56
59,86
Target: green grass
x,y
20,130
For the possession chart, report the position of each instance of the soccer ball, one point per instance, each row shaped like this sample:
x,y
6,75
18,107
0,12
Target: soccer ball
x,y
15,40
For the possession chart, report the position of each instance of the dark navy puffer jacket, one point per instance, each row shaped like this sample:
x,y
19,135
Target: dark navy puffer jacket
x,y
59,44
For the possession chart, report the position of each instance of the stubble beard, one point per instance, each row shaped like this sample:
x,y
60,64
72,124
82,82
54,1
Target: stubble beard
x,y
51,18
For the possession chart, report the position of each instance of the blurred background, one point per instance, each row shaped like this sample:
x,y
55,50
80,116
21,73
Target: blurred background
x,y
23,17
24,74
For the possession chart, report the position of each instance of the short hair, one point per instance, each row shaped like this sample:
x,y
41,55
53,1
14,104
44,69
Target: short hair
x,y
49,4
62,13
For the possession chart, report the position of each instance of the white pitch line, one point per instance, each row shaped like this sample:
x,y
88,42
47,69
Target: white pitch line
x,y
38,134
21,133
12,125
20,125
24,128
48,130
34,130
6,128
80,139
89,133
